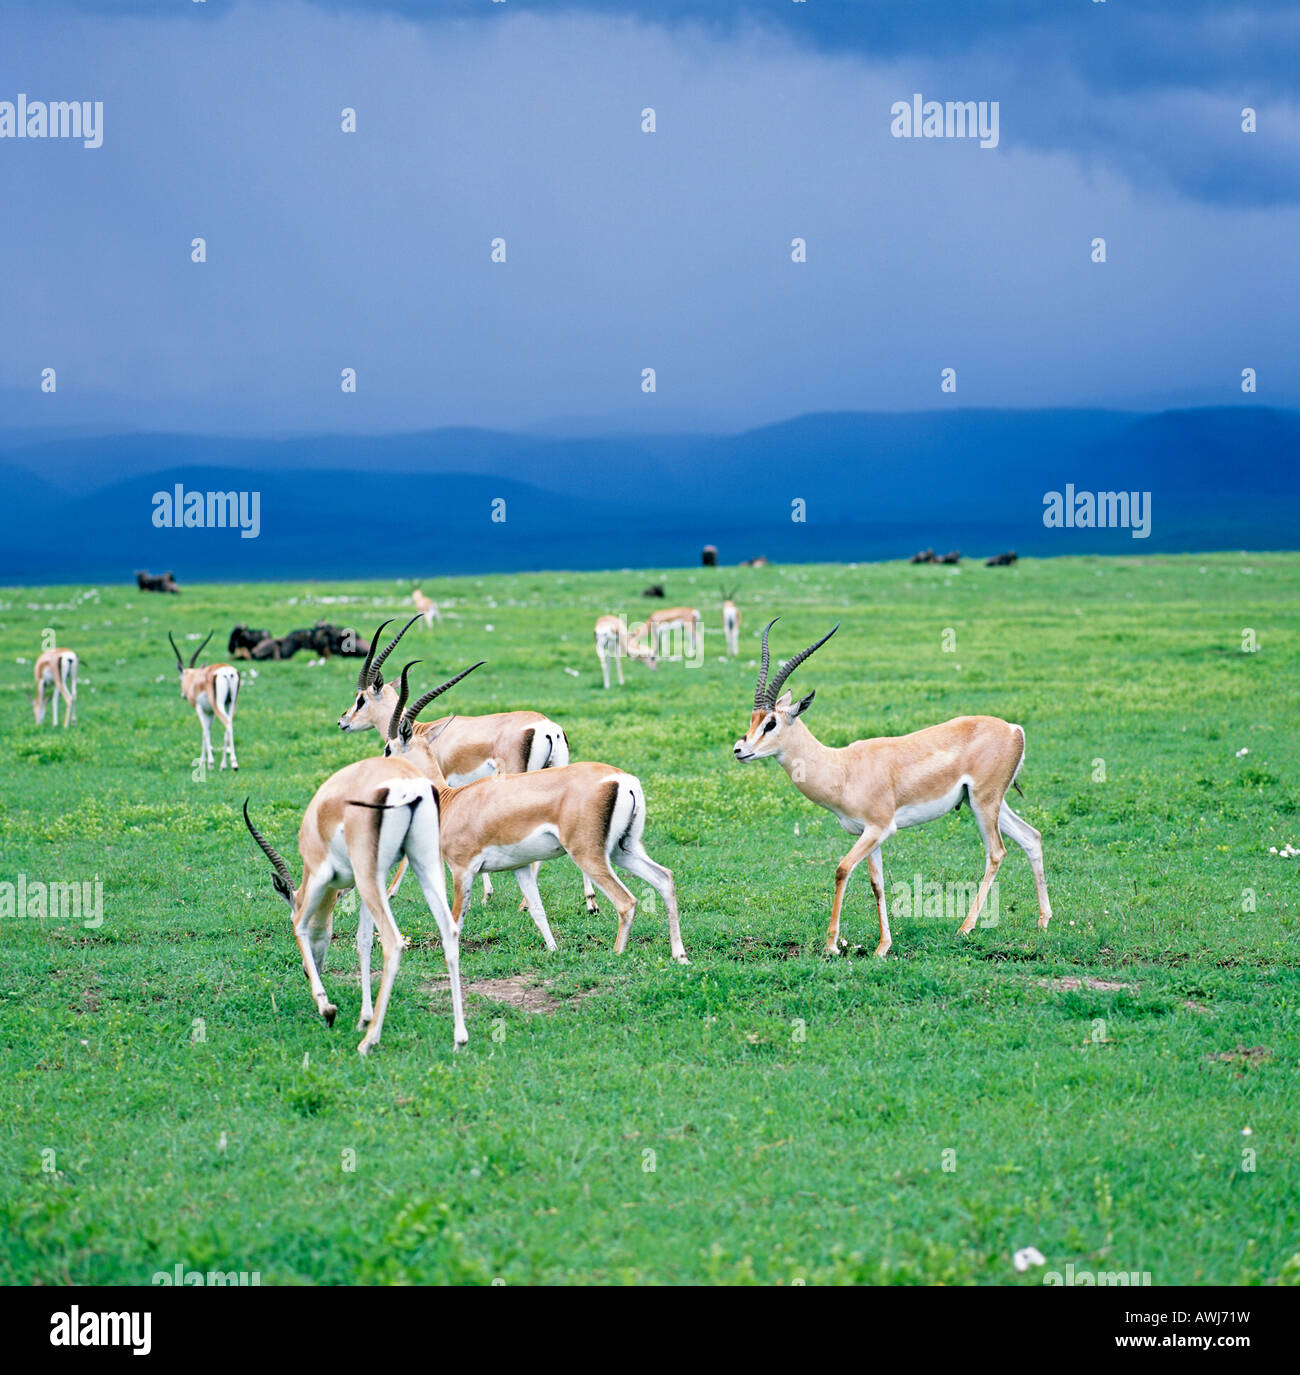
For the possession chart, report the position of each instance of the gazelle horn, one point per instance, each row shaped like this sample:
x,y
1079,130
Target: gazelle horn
x,y
420,703
791,664
760,700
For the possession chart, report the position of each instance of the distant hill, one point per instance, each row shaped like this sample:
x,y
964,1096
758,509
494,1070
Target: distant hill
x,y
872,485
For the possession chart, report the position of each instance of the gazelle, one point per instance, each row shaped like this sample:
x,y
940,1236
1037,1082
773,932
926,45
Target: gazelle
x,y
876,787
56,669
360,822
731,623
670,619
428,609
593,813
615,641
468,747
211,691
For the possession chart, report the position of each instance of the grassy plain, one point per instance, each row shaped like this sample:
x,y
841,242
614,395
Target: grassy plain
x,y
167,1094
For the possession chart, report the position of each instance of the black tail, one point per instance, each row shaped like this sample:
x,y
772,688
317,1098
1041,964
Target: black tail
x,y
282,879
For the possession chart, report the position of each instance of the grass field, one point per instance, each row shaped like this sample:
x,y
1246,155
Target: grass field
x,y
168,1095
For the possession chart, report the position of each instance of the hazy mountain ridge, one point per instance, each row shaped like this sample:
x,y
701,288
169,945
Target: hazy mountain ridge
x,y
872,486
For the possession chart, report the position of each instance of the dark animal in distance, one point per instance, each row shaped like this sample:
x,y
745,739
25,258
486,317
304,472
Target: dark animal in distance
x,y
656,589
156,582
1001,560
952,556
709,556
323,639
243,641
922,556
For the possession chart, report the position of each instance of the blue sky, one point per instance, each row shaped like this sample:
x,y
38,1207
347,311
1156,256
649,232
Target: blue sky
x,y
628,250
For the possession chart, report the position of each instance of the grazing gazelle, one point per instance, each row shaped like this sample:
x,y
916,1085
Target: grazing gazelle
x,y
592,812
683,620
56,669
615,641
360,822
210,690
428,609
876,787
731,623
468,747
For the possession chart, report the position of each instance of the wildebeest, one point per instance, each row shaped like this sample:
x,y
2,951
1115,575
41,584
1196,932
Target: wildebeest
x,y
156,582
323,639
952,556
1001,560
243,641
922,556
656,589
709,556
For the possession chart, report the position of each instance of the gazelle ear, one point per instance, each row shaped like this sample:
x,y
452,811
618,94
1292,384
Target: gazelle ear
x,y
803,704
432,735
783,701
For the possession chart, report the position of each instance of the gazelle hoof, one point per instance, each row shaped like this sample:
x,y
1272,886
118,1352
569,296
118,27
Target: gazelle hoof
x,y
681,959
329,1012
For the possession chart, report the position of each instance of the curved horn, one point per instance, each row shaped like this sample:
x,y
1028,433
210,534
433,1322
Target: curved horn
x,y
194,657
791,664
420,703
376,678
403,692
363,678
760,698
268,849
180,663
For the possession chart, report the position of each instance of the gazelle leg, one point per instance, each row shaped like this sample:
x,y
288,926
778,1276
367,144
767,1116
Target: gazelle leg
x,y
604,669
1031,842
597,869
589,893
205,724
878,888
397,877
365,940
618,664
55,695
423,848
313,925
487,886
71,718
996,852
863,846
635,860
526,878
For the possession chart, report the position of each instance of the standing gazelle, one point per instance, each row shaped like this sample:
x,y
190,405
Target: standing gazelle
x,y
468,747
210,690
592,812
876,787
683,621
427,608
360,822
731,623
615,640
56,669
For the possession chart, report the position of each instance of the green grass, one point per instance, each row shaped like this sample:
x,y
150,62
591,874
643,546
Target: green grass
x,y
798,1109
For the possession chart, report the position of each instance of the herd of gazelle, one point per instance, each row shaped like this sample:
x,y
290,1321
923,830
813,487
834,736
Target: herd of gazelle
x,y
486,794
369,815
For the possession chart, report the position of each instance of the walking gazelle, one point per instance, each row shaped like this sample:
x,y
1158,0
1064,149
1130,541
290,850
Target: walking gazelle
x,y
878,786
592,812
731,622
56,669
211,691
468,747
361,821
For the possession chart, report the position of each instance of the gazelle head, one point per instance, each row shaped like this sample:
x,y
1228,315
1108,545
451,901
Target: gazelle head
x,y
38,710
773,714
187,674
401,739
643,644
368,709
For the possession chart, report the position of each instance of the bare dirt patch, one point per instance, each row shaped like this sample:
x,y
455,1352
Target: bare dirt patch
x,y
1072,985
523,991
1245,1056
